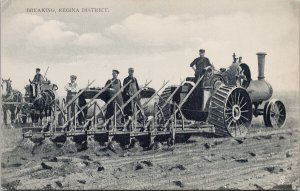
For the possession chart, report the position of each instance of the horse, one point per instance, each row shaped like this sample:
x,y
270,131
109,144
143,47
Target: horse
x,y
43,99
10,95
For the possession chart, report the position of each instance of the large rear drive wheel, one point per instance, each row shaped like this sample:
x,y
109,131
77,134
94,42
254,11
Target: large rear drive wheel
x,y
274,113
230,111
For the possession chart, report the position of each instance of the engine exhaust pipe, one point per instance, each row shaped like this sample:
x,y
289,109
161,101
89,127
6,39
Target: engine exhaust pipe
x,y
261,65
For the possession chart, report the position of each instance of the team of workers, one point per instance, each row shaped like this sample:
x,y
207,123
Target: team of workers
x,y
115,85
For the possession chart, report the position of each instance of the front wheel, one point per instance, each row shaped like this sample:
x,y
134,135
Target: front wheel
x,y
274,113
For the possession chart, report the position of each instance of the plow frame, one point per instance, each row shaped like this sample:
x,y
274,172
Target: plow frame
x,y
149,130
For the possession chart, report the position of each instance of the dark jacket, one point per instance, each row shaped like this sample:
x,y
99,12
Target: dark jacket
x,y
201,63
115,82
134,82
38,78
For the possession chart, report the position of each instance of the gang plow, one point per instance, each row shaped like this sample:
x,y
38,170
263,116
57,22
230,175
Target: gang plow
x,y
220,102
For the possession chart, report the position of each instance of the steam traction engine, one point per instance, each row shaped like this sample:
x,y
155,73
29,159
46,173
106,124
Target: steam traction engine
x,y
228,99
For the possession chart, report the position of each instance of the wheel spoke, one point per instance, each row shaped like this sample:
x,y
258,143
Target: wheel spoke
x,y
237,124
277,109
244,128
232,99
228,118
281,119
229,124
244,111
243,105
245,118
229,109
241,122
272,108
229,103
235,129
235,98
238,100
280,108
241,101
273,122
230,129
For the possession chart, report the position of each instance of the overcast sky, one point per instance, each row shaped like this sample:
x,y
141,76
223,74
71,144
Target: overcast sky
x,y
159,38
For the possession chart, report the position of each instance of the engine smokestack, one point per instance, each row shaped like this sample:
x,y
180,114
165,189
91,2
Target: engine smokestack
x,y
261,65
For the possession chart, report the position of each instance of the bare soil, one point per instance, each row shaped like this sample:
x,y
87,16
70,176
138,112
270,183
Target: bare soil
x,y
267,158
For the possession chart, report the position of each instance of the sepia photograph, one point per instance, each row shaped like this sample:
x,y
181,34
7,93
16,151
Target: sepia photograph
x,y
150,95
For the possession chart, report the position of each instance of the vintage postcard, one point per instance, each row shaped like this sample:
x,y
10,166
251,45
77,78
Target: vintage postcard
x,y
150,95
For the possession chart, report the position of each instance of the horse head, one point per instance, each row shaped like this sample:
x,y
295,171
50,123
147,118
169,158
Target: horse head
x,y
30,89
6,87
27,90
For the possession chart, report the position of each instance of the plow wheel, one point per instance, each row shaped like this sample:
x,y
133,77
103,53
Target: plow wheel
x,y
230,111
274,113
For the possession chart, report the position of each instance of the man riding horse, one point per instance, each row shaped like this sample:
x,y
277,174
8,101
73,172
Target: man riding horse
x,y
42,95
38,80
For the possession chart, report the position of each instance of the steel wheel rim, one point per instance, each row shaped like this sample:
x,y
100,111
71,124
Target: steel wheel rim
x,y
277,114
238,113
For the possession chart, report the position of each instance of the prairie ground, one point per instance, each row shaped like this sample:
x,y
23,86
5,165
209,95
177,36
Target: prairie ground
x,y
267,158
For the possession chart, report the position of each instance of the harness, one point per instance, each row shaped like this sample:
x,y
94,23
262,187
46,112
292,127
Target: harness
x,y
48,96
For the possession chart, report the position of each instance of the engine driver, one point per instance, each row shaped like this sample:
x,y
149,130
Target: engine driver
x,y
199,64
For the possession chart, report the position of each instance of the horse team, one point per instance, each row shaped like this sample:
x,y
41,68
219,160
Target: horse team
x,y
41,97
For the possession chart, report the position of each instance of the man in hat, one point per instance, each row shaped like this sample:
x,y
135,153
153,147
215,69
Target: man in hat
x,y
38,80
38,77
71,89
130,91
199,64
114,87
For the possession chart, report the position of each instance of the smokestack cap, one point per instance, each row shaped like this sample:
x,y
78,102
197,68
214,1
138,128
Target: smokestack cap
x,y
261,53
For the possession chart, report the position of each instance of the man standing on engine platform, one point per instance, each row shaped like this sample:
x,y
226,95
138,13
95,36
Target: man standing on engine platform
x,y
199,64
71,89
